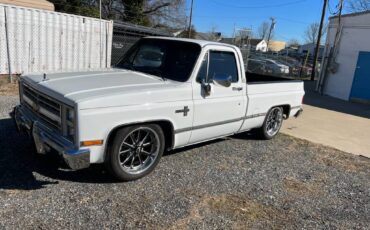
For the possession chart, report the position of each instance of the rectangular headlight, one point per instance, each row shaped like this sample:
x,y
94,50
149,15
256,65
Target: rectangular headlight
x,y
70,114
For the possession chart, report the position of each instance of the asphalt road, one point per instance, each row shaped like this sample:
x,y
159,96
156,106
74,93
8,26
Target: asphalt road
x,y
237,182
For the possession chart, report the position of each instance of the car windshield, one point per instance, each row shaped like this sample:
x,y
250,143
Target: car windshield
x,y
167,59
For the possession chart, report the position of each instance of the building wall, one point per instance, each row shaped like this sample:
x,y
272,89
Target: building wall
x,y
37,4
355,37
276,46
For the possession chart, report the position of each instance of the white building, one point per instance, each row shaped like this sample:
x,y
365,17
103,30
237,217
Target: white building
x,y
310,48
258,45
346,66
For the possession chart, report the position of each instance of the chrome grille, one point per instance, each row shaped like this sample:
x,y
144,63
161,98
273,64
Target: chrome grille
x,y
44,107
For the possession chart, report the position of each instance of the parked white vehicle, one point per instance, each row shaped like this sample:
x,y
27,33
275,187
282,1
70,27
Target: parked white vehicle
x,y
276,67
166,93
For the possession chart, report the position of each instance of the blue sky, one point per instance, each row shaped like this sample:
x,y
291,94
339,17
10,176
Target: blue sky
x,y
292,16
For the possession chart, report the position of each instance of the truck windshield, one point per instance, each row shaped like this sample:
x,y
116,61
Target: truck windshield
x,y
167,59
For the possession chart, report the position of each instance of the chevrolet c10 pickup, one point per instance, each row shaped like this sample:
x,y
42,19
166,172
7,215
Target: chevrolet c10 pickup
x,y
164,94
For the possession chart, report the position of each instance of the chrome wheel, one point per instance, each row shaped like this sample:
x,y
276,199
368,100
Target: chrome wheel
x,y
139,150
274,121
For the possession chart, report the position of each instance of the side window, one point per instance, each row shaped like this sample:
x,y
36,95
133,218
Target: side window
x,y
223,63
203,71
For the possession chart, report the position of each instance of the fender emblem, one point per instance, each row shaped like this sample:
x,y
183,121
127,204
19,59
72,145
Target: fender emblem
x,y
185,111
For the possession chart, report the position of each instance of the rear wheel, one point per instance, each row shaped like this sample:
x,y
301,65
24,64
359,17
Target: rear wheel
x,y
136,151
272,124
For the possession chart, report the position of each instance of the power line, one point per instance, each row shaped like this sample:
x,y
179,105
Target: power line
x,y
262,6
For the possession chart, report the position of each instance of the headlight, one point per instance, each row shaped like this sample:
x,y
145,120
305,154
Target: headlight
x,y
70,114
70,123
70,131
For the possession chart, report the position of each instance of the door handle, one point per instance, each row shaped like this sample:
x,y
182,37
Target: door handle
x,y
237,88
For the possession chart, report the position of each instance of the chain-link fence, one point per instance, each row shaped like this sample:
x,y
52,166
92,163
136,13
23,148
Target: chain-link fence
x,y
277,64
125,35
39,41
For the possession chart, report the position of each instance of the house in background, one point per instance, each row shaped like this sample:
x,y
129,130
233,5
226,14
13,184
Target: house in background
x,y
37,4
229,41
276,46
346,66
309,49
258,45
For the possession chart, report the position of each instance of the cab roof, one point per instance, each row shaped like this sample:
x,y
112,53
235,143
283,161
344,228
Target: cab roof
x,y
202,43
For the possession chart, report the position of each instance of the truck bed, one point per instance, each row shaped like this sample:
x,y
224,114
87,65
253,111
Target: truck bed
x,y
253,78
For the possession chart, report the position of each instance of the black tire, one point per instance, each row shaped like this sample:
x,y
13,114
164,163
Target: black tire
x,y
265,132
141,163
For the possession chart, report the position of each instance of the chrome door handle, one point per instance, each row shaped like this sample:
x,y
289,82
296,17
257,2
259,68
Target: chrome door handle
x,y
237,88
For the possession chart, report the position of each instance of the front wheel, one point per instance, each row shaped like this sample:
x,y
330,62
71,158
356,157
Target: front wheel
x,y
272,124
136,151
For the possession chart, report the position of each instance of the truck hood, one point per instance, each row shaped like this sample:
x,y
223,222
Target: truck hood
x,y
114,87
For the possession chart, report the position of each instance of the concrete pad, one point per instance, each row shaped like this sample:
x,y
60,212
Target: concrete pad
x,y
343,131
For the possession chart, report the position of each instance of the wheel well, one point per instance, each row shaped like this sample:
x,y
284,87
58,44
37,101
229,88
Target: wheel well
x,y
286,110
166,126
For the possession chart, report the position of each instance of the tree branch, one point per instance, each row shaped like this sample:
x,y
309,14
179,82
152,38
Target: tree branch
x,y
156,8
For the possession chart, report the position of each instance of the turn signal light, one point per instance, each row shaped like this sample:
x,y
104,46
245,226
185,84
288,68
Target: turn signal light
x,y
91,143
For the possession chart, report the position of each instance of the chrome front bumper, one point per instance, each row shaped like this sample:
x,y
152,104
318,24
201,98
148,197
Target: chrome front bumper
x,y
46,139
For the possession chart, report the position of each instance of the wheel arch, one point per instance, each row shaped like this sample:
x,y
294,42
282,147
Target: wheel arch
x,y
286,109
166,125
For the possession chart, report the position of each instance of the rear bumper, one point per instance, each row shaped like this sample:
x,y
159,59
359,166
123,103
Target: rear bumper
x,y
298,113
46,139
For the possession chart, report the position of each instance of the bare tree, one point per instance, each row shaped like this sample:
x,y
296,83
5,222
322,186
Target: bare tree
x,y
166,13
358,5
213,34
154,13
263,30
312,31
293,42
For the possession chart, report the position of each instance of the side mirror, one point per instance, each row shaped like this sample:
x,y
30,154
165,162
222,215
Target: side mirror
x,y
222,79
206,88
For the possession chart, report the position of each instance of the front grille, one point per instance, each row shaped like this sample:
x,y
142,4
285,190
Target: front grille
x,y
45,108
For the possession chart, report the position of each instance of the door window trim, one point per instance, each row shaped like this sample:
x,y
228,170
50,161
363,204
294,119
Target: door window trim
x,y
236,58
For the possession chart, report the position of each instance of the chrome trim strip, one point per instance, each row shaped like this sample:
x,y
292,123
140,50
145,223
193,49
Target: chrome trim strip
x,y
50,115
219,123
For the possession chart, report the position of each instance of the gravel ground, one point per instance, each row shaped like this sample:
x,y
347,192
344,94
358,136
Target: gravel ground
x,y
238,182
6,104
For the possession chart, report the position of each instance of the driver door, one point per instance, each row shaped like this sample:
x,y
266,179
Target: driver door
x,y
219,111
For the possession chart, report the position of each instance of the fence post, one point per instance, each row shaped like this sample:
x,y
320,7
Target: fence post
x,y
7,46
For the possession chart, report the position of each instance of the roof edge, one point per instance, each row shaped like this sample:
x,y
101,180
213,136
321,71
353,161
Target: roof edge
x,y
351,14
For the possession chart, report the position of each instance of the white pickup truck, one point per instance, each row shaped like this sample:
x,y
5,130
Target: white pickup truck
x,y
165,94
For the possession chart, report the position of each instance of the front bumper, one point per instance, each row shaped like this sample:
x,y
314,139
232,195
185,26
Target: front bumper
x,y
47,139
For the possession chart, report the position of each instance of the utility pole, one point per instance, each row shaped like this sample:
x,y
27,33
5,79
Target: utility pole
x,y
191,17
100,9
318,40
234,33
273,22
